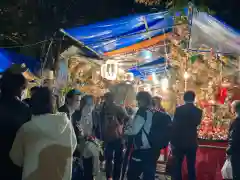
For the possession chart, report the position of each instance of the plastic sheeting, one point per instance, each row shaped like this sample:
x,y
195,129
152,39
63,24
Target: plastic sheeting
x,y
208,32
118,33
8,58
156,66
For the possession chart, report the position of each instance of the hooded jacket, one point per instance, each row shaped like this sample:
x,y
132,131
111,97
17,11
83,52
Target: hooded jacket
x,y
44,146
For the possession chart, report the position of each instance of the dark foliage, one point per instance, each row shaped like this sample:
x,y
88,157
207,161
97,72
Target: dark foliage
x,y
29,21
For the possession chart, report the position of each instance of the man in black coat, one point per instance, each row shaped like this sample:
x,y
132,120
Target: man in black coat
x,y
72,102
233,150
13,114
184,136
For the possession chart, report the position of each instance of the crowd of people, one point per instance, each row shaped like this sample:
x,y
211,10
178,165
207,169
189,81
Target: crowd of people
x,y
42,141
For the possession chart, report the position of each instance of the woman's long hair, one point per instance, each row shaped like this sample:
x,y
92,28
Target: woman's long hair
x,y
43,101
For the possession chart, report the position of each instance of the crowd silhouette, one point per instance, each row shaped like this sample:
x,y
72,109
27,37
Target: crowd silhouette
x,y
85,137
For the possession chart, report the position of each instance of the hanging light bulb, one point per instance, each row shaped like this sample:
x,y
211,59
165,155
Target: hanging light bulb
x,y
186,75
164,84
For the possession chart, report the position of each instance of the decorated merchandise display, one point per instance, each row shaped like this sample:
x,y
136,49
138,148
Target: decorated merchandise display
x,y
124,93
166,54
215,122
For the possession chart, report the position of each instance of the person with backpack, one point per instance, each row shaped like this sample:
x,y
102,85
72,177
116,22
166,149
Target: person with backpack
x,y
150,134
113,118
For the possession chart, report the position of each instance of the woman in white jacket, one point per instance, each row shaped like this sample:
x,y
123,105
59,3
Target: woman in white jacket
x,y
44,146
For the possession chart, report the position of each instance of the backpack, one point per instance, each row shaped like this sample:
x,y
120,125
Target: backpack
x,y
160,131
112,126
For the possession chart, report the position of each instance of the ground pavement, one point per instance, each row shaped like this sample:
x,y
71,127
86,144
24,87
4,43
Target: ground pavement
x,y
103,177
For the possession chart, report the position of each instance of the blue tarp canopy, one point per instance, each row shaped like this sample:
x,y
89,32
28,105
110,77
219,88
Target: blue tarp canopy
x,y
8,58
156,66
118,33
206,31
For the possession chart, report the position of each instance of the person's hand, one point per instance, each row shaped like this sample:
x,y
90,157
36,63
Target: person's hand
x,y
80,129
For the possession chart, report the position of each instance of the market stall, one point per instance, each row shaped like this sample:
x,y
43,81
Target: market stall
x,y
168,55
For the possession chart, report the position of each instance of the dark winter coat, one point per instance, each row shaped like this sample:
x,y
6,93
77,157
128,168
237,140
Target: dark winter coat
x,y
13,114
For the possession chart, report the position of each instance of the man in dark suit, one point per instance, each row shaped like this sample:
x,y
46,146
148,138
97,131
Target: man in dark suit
x,y
184,136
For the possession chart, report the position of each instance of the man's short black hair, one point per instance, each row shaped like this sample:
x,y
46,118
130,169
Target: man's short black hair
x,y
34,89
108,96
189,96
72,93
144,96
156,99
12,83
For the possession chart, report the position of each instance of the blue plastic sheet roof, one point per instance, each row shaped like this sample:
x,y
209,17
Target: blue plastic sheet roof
x,y
156,66
8,58
118,33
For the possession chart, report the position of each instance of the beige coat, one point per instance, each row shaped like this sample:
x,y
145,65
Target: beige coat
x,y
44,147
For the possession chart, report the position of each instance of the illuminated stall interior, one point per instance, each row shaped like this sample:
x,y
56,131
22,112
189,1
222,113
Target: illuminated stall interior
x,y
151,53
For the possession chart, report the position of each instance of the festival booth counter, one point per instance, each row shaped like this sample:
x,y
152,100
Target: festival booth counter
x,y
211,156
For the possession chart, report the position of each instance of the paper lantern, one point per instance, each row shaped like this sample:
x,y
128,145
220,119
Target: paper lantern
x,y
109,70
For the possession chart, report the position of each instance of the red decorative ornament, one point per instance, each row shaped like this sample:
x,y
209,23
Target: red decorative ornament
x,y
222,95
150,78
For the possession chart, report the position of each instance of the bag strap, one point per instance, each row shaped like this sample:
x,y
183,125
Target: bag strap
x,y
143,129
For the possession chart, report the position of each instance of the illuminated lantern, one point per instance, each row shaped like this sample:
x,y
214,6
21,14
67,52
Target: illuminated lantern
x,y
109,70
